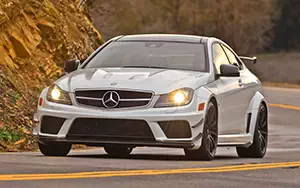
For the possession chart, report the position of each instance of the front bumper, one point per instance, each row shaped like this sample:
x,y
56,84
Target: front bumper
x,y
152,116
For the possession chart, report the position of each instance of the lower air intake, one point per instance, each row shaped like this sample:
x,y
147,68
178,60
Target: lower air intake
x,y
110,129
51,125
176,129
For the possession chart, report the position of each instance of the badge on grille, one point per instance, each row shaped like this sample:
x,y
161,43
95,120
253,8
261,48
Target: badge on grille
x,y
111,99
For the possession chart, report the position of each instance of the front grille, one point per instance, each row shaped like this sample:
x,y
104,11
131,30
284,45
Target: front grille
x,y
51,125
116,129
176,129
126,99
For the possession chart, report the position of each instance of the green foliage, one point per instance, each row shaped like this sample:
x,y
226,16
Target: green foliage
x,y
288,28
9,136
14,95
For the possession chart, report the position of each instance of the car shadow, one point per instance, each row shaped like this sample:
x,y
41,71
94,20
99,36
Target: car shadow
x,y
153,157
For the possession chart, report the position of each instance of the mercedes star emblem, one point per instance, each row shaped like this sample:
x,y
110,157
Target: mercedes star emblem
x,y
111,99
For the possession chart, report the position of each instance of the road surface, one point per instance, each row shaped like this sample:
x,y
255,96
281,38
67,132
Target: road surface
x,y
160,167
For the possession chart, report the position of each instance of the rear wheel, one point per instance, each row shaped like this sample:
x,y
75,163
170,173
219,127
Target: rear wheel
x,y
258,148
118,150
208,147
55,149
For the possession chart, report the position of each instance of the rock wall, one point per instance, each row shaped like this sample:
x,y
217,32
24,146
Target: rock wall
x,y
36,37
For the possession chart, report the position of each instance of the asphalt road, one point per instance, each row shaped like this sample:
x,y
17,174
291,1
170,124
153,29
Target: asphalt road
x,y
160,167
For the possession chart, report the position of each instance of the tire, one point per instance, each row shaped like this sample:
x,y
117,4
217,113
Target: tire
x,y
259,146
118,150
55,149
208,147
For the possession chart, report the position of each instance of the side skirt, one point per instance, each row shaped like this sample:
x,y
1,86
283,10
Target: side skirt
x,y
242,140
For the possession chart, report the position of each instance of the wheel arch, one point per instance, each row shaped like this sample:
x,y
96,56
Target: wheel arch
x,y
256,100
207,95
253,109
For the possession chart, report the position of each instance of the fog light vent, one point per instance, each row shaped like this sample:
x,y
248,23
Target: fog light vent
x,y
176,129
51,125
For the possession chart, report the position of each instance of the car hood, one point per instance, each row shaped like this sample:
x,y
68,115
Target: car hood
x,y
157,80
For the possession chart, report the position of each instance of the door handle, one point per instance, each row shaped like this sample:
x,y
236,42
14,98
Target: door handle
x,y
241,83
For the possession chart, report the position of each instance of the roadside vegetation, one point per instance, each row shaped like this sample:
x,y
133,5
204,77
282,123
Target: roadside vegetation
x,y
36,37
281,68
244,25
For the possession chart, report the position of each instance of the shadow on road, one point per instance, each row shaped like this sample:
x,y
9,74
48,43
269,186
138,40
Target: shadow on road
x,y
154,157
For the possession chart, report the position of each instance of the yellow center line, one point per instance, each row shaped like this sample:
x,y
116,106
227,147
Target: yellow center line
x,y
285,106
104,174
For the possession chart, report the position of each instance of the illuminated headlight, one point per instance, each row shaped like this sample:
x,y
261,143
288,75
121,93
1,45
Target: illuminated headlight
x,y
178,97
57,95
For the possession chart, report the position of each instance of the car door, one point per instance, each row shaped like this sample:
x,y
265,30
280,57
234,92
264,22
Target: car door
x,y
230,96
247,84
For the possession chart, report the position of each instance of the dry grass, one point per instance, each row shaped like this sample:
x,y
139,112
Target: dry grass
x,y
282,85
283,68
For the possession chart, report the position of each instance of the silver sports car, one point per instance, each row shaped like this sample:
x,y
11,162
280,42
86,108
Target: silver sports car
x,y
180,91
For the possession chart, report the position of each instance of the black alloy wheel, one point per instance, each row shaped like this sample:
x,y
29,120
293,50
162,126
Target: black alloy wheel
x,y
209,144
55,149
259,146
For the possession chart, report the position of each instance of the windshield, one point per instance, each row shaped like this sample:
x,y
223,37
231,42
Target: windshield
x,y
167,55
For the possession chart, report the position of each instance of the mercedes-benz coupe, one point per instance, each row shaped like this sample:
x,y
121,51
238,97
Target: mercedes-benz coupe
x,y
180,91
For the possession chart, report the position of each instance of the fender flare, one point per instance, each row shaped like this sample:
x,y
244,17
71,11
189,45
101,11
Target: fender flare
x,y
256,101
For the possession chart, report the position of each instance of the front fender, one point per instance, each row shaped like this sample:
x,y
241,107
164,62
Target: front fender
x,y
257,99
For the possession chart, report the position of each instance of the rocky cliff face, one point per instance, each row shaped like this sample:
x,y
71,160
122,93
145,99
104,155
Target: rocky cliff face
x,y
36,37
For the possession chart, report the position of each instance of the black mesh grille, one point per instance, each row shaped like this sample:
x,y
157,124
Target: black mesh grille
x,y
91,93
116,129
51,125
93,96
126,104
90,102
176,129
134,95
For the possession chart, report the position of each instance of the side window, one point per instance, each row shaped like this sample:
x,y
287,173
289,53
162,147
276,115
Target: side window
x,y
219,57
232,58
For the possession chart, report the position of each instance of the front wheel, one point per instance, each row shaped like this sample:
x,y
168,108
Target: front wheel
x,y
118,150
208,147
258,148
55,149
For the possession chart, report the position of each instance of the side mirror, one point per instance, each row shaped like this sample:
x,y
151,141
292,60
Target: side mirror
x,y
71,66
229,71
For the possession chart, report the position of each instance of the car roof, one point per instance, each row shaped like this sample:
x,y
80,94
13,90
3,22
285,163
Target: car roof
x,y
165,37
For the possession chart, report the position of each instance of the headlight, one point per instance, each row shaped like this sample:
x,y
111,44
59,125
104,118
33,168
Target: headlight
x,y
57,95
178,97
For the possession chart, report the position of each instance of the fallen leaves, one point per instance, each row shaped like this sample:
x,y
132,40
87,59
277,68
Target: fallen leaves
x,y
3,145
20,141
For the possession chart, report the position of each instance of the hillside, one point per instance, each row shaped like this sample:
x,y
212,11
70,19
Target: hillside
x,y
36,37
